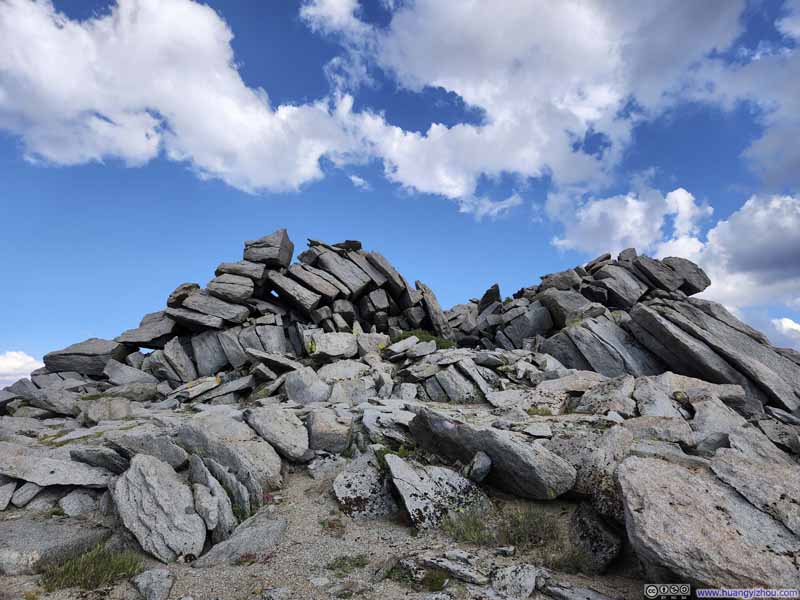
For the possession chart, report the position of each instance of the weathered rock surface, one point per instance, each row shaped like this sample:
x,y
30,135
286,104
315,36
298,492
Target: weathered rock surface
x,y
281,428
87,358
154,584
44,468
255,537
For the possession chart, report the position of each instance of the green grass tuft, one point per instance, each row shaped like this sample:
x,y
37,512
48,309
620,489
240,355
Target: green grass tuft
x,y
540,411
344,565
425,336
94,569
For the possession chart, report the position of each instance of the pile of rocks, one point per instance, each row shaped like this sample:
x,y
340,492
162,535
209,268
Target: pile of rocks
x,y
673,425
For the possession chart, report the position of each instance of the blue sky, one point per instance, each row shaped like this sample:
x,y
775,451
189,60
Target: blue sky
x,y
141,141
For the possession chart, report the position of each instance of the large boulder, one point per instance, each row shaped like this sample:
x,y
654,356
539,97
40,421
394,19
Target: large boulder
x,y
281,428
45,468
158,509
254,538
87,358
685,524
274,250
528,470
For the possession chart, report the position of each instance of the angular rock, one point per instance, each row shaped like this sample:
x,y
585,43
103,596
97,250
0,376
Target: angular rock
x,y
78,502
255,537
623,288
43,468
596,543
430,494
716,538
180,293
231,346
457,387
314,282
274,361
225,518
179,360
526,470
658,275
207,304
243,268
194,319
208,353
106,409
612,395
87,358
121,374
327,432
345,271
274,250
232,288
154,584
292,292
694,278
101,457
25,493
305,387
439,322
361,490
273,339
153,331
282,429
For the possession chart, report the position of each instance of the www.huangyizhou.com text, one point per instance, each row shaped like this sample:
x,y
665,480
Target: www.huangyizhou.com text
x,y
747,593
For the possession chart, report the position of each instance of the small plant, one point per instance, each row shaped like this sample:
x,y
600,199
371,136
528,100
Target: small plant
x,y
91,397
469,526
30,596
96,568
435,580
333,526
425,336
57,511
344,565
540,411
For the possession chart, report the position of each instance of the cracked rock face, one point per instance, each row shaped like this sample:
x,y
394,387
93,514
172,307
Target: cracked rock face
x,y
158,509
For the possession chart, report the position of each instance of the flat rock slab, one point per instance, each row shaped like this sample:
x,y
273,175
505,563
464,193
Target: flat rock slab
x,y
27,545
429,494
256,536
42,468
686,521
87,358
361,490
281,428
158,509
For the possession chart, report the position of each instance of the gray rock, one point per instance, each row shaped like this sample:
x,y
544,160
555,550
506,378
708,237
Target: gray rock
x,y
314,282
526,470
101,457
441,325
274,250
653,398
517,581
430,494
158,509
7,488
28,545
233,389
274,361
465,571
716,538
207,304
362,492
667,429
655,273
596,543
694,278
282,429
273,339
78,502
208,353
206,505
233,445
342,369
87,358
195,320
231,346
121,374
155,584
535,320
148,440
566,307
106,409
612,395
232,288
153,331
565,280
179,359
782,435
292,292
345,271
713,416
225,518
156,363
180,293
256,536
478,468
623,288
326,431
243,268
305,387
136,392
25,493
45,468
58,401
333,346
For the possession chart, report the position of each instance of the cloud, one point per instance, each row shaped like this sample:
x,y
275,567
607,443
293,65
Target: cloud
x,y
789,25
360,182
787,330
482,207
153,76
639,219
15,365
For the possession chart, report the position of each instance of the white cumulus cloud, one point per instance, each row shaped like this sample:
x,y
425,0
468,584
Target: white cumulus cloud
x,y
787,330
15,365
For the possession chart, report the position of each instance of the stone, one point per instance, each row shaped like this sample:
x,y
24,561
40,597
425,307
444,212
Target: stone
x,y
612,395
274,250
457,387
7,488
345,271
195,320
490,296
361,490
440,324
158,509
282,429
45,468
106,409
535,320
274,361
653,398
255,537
87,358
208,353
179,359
232,288
25,493
101,457
225,521
694,278
243,268
459,569
58,401
713,416
326,431
234,446
231,346
657,274
623,288
716,537
206,505
520,468
517,581
596,543
207,304
333,346
314,282
292,292
430,494
565,280
121,374
342,369
180,293
234,389
565,307
148,440
305,387
155,584
28,544
153,331
78,502
478,468
667,429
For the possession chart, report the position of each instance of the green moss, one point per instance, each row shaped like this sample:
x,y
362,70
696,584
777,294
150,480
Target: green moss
x,y
425,336
540,411
91,397
97,568
435,580
311,347
344,565
57,511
